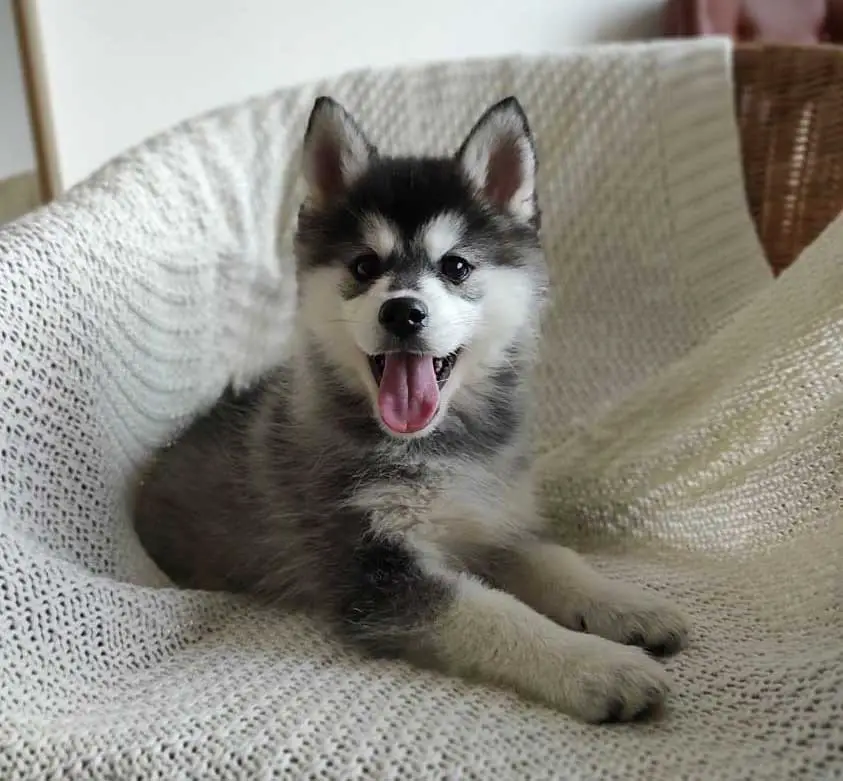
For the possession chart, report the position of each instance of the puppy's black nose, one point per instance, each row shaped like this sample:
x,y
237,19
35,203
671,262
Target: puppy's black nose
x,y
403,317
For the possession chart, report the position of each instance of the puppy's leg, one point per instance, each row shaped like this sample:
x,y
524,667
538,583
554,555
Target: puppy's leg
x,y
557,582
397,603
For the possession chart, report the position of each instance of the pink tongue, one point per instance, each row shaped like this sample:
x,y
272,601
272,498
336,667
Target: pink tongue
x,y
409,395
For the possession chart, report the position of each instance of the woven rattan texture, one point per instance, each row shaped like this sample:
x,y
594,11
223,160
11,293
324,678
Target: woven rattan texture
x,y
789,102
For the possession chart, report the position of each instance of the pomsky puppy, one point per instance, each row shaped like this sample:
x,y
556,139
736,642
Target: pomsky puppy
x,y
382,478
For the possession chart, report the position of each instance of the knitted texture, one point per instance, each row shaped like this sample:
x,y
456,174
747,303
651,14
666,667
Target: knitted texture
x,y
690,427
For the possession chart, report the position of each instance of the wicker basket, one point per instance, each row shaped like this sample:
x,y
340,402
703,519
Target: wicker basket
x,y
789,104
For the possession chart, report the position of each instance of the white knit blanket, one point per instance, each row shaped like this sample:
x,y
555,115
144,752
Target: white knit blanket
x,y
691,426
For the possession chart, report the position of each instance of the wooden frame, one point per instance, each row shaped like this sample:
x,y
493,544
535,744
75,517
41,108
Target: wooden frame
x,y
38,106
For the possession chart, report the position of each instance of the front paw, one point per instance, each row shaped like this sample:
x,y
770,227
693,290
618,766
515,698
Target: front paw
x,y
616,683
635,617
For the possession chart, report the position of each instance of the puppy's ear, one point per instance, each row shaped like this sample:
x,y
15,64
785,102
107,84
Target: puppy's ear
x,y
336,151
499,159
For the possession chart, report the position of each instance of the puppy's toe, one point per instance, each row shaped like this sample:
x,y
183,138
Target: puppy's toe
x,y
660,632
628,686
660,644
639,619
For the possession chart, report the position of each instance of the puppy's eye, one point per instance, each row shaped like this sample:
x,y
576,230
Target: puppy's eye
x,y
366,267
455,268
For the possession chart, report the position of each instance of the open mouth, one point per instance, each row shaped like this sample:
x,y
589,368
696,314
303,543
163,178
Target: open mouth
x,y
441,366
409,386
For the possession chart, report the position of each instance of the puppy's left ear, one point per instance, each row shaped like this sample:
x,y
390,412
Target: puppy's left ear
x,y
499,158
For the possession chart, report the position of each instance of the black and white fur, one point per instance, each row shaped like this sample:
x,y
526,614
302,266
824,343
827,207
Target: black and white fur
x,y
422,544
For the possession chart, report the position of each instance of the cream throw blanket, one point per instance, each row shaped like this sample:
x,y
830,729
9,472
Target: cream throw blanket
x,y
691,423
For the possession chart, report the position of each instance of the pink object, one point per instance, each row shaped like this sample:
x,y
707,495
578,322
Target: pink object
x,y
409,394
763,21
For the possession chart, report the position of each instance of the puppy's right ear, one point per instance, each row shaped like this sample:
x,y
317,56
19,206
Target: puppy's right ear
x,y
336,152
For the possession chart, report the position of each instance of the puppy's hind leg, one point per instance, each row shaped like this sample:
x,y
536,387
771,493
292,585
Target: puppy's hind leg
x,y
557,582
395,603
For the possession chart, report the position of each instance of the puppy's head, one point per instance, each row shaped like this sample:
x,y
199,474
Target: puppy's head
x,y
419,277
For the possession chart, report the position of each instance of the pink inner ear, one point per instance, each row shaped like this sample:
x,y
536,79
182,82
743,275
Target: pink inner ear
x,y
505,173
327,169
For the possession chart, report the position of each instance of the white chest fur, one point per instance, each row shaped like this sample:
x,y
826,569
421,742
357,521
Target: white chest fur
x,y
467,508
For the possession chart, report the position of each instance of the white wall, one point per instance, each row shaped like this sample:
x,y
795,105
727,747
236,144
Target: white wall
x,y
16,150
119,70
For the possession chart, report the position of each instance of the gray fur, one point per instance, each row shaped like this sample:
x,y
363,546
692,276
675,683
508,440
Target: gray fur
x,y
294,491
